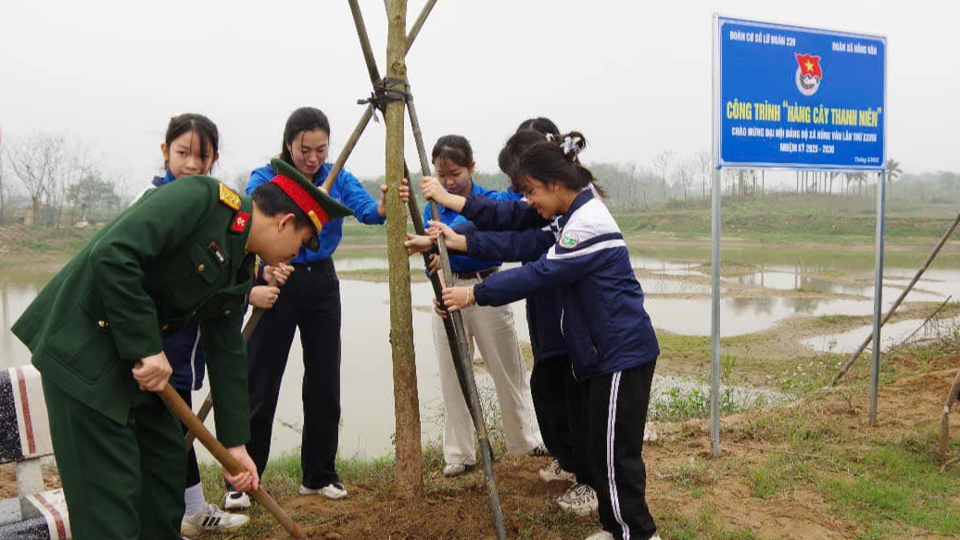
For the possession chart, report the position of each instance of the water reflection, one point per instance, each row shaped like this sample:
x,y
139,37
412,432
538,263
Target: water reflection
x,y
893,334
368,419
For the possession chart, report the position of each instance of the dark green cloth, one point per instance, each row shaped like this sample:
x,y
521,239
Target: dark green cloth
x,y
121,481
169,259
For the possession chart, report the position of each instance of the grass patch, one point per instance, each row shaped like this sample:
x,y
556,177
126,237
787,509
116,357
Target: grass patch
x,y
896,484
705,525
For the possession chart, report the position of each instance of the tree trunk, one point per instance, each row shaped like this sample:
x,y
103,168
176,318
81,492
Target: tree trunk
x,y
409,470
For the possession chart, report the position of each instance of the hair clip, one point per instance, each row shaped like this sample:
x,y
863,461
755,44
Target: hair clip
x,y
571,145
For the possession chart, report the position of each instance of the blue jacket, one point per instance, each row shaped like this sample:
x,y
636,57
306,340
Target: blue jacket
x,y
347,190
602,318
183,348
464,263
514,241
513,215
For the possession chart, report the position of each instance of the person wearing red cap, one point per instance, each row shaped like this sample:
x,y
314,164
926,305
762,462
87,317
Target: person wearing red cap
x,y
179,255
310,301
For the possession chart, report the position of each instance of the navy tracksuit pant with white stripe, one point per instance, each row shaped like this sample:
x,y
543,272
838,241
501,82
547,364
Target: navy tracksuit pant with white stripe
x,y
616,412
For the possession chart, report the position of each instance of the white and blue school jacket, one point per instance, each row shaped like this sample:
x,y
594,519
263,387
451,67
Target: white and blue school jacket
x,y
507,230
602,318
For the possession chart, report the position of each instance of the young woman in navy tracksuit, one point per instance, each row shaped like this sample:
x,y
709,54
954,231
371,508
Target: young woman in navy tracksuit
x,y
608,333
509,229
190,147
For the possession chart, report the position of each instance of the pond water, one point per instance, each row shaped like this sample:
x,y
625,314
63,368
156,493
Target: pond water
x,y
367,380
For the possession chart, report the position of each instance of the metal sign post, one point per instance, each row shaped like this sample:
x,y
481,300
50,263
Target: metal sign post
x,y
716,192
794,98
877,299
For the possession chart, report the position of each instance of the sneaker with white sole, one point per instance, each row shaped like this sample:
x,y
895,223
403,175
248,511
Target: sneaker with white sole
x,y
330,491
581,499
602,535
211,518
234,500
539,451
458,469
553,472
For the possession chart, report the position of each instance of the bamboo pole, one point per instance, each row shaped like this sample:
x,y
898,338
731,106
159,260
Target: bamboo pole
x,y
925,321
453,324
853,357
179,408
375,79
351,143
332,178
463,360
409,472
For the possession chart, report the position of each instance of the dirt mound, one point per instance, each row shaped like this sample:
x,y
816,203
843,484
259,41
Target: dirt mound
x,y
453,509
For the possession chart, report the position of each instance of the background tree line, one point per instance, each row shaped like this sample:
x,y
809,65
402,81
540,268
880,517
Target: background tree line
x,y
60,184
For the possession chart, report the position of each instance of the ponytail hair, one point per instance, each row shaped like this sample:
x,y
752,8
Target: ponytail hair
x,y
556,162
509,156
541,124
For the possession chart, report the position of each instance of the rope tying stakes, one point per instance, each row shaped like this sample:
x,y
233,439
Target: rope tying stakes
x,y
387,90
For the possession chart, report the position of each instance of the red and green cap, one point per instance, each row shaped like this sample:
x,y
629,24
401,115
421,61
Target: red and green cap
x,y
314,202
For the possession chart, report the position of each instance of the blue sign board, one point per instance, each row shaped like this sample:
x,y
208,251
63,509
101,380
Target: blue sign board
x,y
799,98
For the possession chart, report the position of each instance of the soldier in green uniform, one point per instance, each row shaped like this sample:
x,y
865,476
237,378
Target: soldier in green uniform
x,y
182,253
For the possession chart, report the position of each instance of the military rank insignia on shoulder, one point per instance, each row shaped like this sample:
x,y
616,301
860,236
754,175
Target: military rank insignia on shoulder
x,y
229,197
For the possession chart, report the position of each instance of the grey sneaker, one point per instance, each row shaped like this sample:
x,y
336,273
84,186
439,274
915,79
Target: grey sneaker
x,y
554,472
581,499
331,491
604,535
211,518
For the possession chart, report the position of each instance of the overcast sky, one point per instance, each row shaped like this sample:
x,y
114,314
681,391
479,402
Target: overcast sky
x,y
634,76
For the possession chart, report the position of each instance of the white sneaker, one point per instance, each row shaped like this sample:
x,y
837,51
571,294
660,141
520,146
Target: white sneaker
x,y
553,472
605,535
235,500
330,491
581,499
211,518
458,469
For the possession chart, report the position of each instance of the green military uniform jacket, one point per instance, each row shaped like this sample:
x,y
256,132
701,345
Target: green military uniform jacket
x,y
176,255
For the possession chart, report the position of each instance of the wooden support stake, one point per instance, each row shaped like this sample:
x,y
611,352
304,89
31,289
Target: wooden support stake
x,y
853,357
375,79
453,324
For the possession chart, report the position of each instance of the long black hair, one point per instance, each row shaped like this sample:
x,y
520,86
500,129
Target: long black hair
x,y
300,120
204,128
454,148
